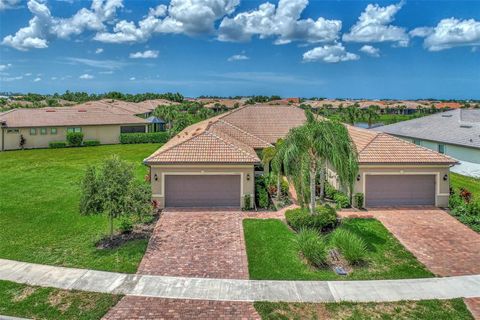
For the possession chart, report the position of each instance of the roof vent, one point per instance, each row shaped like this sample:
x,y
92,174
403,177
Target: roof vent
x,y
50,110
446,115
82,110
465,126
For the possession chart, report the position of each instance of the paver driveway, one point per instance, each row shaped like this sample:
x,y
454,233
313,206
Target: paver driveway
x,y
442,243
207,244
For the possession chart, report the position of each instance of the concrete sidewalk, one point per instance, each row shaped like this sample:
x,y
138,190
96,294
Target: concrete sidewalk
x,y
239,290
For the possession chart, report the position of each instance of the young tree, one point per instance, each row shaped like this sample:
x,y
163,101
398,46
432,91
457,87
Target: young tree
x,y
114,191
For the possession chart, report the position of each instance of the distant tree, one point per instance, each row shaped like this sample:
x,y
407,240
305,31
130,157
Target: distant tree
x,y
351,113
371,114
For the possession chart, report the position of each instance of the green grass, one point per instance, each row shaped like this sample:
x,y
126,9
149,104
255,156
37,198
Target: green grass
x,y
39,216
20,300
394,118
471,184
273,255
454,309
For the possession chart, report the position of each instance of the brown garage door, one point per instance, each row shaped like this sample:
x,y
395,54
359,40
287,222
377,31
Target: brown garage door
x,y
202,190
400,190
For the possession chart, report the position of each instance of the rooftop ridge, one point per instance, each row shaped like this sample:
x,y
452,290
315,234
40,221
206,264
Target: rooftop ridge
x,y
231,144
243,131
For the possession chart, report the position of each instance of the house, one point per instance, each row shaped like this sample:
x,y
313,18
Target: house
x,y
39,127
212,163
455,133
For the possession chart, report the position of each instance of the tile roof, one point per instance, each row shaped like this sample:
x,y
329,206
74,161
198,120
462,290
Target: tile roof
x,y
233,136
65,116
459,127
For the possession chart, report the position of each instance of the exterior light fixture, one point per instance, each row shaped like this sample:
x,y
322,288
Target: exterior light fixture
x,y
445,177
248,176
358,177
155,177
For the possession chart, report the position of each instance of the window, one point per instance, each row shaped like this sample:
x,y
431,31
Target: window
x,y
33,131
13,131
43,131
74,130
132,129
53,130
441,148
417,142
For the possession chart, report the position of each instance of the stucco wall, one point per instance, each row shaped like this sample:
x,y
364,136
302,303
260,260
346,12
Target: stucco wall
x,y
442,187
106,134
454,151
246,172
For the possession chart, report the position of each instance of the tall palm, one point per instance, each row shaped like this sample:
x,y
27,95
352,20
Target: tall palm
x,y
351,113
308,149
204,113
272,157
371,114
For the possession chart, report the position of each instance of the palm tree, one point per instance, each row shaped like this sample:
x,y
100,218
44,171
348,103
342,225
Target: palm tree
x,y
204,113
371,114
167,113
308,149
351,113
272,157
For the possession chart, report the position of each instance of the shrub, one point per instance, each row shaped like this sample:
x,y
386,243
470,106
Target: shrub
x,y
358,200
342,200
144,137
126,225
284,187
75,139
57,144
352,247
312,246
263,200
330,191
326,218
91,143
247,202
465,195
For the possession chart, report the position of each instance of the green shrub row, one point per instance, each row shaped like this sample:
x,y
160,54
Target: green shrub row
x,y
324,219
74,139
64,144
91,143
466,212
352,247
57,144
146,137
312,246
358,200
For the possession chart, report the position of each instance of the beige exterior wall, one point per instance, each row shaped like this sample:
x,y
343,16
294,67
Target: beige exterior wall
x,y
442,191
159,171
106,134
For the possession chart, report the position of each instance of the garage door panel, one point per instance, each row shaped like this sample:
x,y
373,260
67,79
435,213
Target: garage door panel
x,y
400,190
202,190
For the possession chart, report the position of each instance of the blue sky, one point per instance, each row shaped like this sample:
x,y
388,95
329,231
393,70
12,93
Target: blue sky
x,y
355,49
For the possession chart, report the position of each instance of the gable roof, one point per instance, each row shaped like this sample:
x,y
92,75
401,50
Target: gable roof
x,y
459,127
232,137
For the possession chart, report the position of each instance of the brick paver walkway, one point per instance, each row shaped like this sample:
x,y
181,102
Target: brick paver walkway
x,y
192,243
442,243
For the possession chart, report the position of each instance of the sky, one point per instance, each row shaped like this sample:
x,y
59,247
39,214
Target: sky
x,y
292,48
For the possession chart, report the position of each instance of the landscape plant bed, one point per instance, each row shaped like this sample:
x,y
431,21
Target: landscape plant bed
x,y
40,194
426,309
273,253
141,231
21,300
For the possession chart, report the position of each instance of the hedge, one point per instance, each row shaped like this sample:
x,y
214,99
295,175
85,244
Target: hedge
x,y
324,219
57,144
147,137
75,139
91,143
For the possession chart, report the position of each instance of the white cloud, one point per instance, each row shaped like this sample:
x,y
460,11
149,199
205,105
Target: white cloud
x,y
191,17
28,74
53,78
106,72
102,64
86,76
238,57
132,79
148,54
449,33
9,4
329,54
99,50
9,79
371,51
37,79
4,67
373,25
43,26
282,21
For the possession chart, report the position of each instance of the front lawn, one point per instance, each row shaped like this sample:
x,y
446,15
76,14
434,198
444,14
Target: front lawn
x,y
39,215
425,310
471,184
21,300
273,255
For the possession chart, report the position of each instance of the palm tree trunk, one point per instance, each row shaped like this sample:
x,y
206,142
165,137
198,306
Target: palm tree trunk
x,y
312,189
322,183
279,187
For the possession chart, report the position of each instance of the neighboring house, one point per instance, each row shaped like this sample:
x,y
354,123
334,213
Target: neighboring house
x,y
212,163
455,133
39,127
